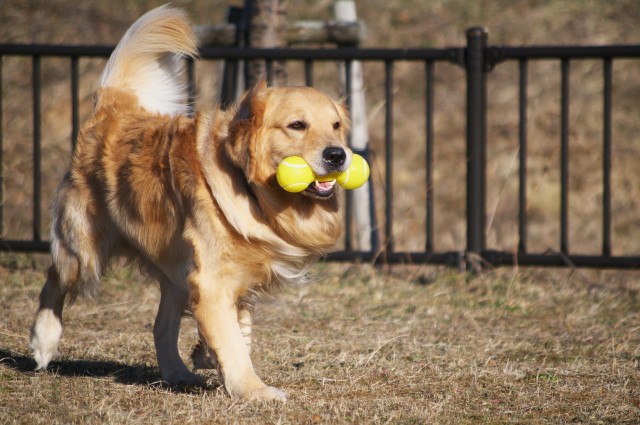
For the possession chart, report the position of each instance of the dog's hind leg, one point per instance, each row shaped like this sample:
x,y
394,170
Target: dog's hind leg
x,y
47,328
166,330
245,322
203,358
79,249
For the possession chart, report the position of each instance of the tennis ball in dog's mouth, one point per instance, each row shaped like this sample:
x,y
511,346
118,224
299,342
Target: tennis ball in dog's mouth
x,y
356,175
294,174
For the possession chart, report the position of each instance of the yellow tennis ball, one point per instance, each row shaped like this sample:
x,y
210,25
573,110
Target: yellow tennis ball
x,y
356,175
328,177
294,174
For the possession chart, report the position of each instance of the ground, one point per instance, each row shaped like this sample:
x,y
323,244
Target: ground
x,y
357,345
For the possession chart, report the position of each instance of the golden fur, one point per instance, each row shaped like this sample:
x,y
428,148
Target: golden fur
x,y
193,199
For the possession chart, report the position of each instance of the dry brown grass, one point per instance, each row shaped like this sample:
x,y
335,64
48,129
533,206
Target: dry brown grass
x,y
416,345
412,346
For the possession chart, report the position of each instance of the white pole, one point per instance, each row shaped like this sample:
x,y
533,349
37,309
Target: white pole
x,y
345,10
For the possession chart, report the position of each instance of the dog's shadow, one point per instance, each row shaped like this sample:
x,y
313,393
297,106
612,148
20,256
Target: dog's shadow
x,y
127,374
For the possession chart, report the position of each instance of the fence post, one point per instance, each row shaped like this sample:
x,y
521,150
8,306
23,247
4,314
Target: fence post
x,y
232,68
475,63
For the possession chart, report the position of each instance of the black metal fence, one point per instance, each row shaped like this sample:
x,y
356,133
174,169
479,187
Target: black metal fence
x,y
477,59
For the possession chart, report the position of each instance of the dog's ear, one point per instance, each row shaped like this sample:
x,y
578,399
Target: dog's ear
x,y
341,106
252,104
245,126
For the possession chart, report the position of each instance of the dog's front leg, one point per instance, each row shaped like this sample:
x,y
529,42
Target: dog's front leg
x,y
214,308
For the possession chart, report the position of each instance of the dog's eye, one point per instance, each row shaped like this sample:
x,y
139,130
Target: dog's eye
x,y
298,125
336,125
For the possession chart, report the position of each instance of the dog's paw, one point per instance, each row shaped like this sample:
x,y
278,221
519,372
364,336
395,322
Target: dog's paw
x,y
43,356
184,379
268,394
45,335
203,358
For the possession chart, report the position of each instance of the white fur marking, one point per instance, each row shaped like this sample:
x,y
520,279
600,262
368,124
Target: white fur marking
x,y
45,336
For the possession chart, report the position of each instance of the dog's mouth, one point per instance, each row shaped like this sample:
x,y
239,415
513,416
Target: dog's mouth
x,y
321,190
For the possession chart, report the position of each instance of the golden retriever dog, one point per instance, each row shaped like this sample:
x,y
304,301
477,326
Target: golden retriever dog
x,y
194,199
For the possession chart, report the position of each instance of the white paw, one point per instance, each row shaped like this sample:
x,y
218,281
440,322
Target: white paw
x,y
45,335
268,394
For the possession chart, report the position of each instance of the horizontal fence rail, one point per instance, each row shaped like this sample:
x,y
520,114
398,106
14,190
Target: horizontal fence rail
x,y
478,60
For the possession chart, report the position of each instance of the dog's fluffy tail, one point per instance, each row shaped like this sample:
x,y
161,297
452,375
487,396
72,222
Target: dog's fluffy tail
x,y
149,61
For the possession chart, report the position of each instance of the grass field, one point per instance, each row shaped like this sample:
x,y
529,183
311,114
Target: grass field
x,y
359,345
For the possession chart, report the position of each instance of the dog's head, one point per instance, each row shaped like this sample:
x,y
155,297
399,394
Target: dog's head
x,y
274,123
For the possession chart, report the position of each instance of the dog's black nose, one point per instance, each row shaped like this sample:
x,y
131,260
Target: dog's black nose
x,y
334,156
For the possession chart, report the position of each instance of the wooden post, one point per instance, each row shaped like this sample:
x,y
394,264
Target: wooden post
x,y
267,30
345,10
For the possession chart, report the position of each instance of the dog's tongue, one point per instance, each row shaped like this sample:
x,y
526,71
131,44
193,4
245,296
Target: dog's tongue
x,y
322,189
325,186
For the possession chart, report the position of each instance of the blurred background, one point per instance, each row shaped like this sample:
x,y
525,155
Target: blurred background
x,y
390,24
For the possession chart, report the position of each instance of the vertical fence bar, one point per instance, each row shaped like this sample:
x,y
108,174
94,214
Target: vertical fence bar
x,y
75,89
388,143
269,70
234,70
308,72
429,154
606,160
1,158
522,129
375,232
348,242
476,140
37,171
564,157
